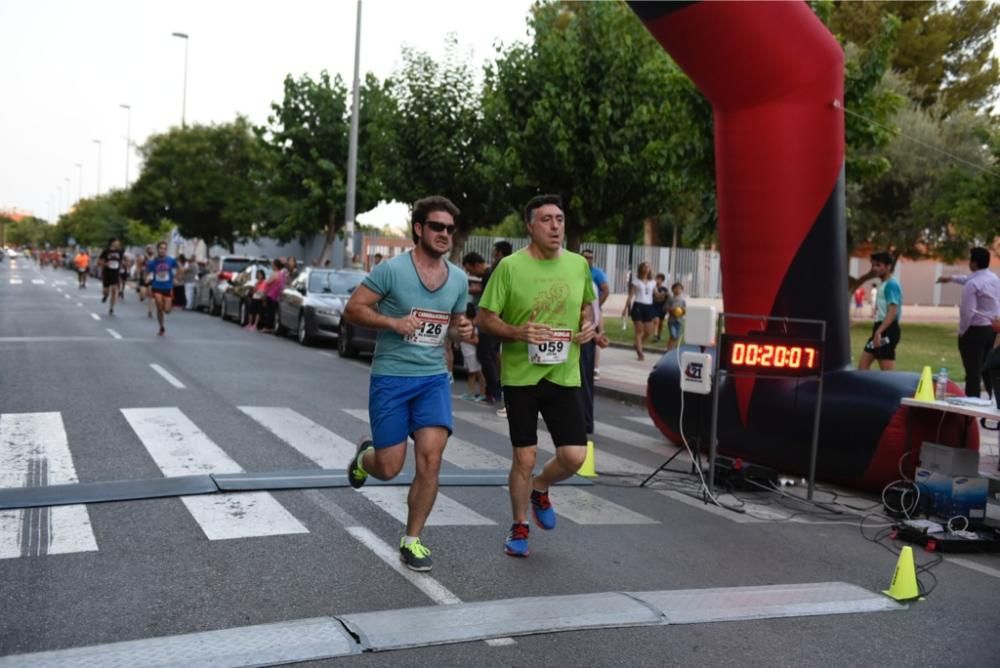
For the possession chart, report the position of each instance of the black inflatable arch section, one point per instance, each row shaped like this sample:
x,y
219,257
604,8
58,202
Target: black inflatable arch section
x,y
774,76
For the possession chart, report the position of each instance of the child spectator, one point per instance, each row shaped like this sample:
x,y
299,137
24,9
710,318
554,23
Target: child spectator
x,y
676,308
660,294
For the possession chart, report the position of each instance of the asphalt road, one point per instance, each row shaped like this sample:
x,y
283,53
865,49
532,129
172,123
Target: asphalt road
x,y
141,569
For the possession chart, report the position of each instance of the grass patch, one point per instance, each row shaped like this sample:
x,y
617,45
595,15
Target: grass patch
x,y
922,345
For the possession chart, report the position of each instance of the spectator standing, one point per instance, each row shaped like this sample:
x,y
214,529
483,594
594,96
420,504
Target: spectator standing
x,y
603,292
190,283
291,269
873,295
180,295
660,295
640,307
257,300
859,301
979,306
273,288
676,308
488,348
888,310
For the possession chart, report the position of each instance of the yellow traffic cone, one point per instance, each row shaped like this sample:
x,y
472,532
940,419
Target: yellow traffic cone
x,y
587,469
925,388
904,585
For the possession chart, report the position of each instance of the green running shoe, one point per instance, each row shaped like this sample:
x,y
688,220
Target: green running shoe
x,y
415,556
355,475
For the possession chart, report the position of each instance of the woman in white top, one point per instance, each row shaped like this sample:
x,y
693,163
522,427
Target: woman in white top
x,y
640,305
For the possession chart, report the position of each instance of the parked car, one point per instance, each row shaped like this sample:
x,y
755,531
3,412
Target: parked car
x,y
239,292
212,284
312,305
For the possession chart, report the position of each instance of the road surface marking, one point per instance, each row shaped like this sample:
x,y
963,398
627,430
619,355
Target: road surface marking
x,y
446,511
581,506
167,376
37,281
79,303
659,446
974,566
460,453
66,295
114,334
313,441
605,461
34,450
95,316
642,419
179,448
434,590
16,281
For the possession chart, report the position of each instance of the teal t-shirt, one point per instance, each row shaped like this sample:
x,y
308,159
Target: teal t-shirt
x,y
890,292
402,291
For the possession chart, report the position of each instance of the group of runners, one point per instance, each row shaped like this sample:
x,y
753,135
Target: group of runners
x,y
154,275
537,302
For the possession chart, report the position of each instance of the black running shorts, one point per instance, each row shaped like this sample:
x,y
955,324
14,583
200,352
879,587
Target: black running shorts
x,y
887,351
163,292
561,408
110,278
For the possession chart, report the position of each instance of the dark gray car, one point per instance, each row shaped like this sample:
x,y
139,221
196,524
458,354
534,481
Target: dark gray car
x,y
313,304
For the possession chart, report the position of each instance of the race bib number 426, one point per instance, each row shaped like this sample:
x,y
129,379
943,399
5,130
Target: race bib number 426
x,y
553,351
433,327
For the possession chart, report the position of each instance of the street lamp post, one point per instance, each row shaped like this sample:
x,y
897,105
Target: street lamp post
x,y
79,181
98,142
69,192
128,137
352,152
184,36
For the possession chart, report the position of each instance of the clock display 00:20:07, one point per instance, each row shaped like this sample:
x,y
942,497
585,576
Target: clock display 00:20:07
x,y
773,355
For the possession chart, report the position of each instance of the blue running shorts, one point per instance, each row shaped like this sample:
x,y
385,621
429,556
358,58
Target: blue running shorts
x,y
400,405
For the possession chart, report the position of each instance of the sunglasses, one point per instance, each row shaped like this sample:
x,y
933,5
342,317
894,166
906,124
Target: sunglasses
x,y
437,226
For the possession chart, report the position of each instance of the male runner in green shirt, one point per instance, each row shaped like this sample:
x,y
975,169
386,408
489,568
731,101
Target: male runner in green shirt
x,y
538,302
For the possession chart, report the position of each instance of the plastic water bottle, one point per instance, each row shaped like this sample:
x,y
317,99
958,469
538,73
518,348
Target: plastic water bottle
x,y
941,386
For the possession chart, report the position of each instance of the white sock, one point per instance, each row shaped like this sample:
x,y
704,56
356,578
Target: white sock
x,y
410,540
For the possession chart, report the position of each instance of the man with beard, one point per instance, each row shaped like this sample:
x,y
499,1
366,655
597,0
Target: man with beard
x,y
416,300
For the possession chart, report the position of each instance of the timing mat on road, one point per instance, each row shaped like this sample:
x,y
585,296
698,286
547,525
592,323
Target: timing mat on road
x,y
346,635
132,490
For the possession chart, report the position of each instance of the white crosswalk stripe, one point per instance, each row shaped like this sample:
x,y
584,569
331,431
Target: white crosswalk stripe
x,y
641,419
458,452
179,448
660,446
605,460
578,505
314,441
446,511
34,450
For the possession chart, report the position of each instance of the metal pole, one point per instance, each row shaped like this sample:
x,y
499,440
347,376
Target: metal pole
x,y
184,36
128,137
79,181
352,151
69,192
816,415
98,142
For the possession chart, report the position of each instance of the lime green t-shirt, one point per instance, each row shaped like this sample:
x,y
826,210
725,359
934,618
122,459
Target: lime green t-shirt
x,y
553,291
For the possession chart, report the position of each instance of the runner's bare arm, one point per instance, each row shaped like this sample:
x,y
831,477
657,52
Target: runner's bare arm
x,y
360,311
531,332
588,330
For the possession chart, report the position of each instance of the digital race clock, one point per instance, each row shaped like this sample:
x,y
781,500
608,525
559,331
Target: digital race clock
x,y
771,355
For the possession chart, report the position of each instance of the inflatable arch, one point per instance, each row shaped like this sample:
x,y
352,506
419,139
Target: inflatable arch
x,y
774,76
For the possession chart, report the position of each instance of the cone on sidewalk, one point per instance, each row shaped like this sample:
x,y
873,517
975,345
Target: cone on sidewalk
x,y
904,585
587,469
925,388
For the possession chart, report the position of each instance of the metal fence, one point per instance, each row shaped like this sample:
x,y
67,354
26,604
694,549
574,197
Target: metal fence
x,y
697,270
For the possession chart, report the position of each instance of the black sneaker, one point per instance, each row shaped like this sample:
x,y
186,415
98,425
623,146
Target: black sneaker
x,y
355,475
416,556
104,299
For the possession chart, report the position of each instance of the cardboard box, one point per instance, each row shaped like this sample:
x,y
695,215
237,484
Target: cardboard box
x,y
949,461
946,496
968,497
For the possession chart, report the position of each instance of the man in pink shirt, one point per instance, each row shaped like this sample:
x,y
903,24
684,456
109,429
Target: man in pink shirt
x,y
979,306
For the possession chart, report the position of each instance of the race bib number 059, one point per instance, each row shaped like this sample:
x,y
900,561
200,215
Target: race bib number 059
x,y
553,351
433,327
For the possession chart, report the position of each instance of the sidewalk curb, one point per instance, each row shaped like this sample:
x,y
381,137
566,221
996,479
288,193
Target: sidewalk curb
x,y
645,349
617,394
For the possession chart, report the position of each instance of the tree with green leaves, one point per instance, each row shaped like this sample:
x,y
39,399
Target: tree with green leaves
x,y
204,178
306,145
95,220
592,108
944,50
432,138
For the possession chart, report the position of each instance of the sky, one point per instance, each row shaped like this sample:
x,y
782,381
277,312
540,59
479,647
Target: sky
x,y
65,67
